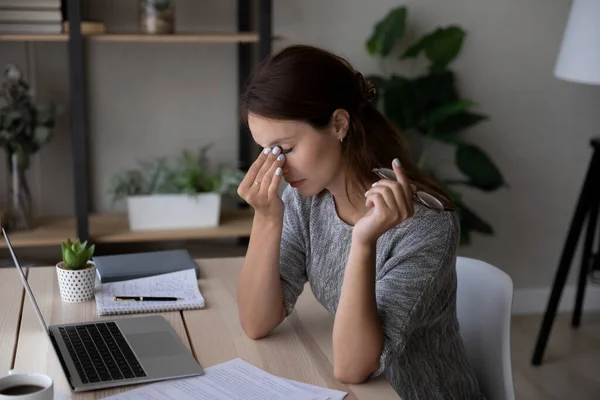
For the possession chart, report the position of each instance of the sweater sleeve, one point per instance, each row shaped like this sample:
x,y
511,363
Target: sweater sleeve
x,y
418,284
293,248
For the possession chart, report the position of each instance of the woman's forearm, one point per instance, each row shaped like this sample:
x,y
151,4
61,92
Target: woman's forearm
x,y
357,334
259,293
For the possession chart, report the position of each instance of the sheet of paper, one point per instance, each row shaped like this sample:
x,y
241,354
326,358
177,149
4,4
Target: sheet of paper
x,y
181,284
329,393
232,380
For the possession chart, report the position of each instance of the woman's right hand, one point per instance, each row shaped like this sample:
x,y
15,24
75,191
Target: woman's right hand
x,y
259,188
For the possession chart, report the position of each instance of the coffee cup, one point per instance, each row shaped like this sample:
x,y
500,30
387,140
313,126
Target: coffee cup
x,y
19,385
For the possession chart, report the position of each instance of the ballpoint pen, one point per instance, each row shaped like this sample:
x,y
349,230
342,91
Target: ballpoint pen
x,y
145,298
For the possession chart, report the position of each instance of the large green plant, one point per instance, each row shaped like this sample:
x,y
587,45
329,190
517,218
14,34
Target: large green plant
x,y
190,173
428,107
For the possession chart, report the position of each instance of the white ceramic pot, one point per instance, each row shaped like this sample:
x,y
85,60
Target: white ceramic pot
x,y
173,211
76,285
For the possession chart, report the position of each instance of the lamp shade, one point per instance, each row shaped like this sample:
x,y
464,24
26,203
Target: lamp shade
x,y
579,55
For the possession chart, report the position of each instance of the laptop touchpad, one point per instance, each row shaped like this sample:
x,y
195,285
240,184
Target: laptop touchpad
x,y
156,344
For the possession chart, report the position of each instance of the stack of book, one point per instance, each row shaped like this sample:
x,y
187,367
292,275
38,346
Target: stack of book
x,y
31,16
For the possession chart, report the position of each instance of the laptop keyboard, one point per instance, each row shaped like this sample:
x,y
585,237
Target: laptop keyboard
x,y
100,352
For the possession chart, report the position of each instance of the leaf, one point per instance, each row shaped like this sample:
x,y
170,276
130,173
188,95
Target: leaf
x,y
440,46
472,222
449,138
64,248
387,32
45,114
70,258
448,110
475,164
458,122
401,103
436,89
408,102
41,135
90,251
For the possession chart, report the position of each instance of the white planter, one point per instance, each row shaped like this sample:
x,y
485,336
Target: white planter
x,y
76,285
173,211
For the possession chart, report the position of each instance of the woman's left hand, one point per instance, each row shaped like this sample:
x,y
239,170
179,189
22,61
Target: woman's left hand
x,y
390,203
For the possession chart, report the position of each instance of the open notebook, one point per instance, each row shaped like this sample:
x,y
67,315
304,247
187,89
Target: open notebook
x,y
182,284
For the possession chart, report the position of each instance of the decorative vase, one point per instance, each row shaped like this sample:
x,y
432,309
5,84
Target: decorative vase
x,y
19,213
157,16
76,285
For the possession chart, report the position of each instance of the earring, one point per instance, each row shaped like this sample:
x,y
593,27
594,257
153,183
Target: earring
x,y
341,140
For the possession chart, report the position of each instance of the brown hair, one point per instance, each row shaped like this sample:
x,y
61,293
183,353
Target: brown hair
x,y
305,83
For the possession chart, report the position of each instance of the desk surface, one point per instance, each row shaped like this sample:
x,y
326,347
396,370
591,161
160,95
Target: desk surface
x,y
300,348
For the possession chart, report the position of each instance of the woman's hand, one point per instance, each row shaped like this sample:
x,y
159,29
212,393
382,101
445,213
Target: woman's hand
x,y
390,203
259,188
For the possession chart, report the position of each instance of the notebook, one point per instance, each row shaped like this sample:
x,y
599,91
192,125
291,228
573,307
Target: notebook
x,y
122,267
182,284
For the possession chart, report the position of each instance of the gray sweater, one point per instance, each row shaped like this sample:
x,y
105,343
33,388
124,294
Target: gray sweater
x,y
423,355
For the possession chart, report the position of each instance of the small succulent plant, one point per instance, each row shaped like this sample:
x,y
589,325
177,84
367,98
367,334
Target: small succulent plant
x,y
76,255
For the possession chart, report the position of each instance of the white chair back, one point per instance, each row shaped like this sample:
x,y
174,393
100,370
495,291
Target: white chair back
x,y
484,304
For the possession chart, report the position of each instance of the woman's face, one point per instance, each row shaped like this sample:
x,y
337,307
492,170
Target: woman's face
x,y
312,158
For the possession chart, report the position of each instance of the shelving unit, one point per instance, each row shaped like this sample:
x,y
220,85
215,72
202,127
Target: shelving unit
x,y
254,45
114,228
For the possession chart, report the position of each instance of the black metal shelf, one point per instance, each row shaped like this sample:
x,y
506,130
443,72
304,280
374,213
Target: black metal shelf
x,y
250,51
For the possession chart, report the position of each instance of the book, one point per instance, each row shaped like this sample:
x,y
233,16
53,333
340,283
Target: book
x,y
14,15
182,284
25,28
122,267
31,4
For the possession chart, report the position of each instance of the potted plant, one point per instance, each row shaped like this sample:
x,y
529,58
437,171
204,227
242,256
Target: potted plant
x,y
427,106
25,126
184,193
76,272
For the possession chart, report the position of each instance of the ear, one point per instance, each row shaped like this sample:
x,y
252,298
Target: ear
x,y
340,122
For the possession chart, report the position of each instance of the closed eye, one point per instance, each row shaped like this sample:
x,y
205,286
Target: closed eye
x,y
286,151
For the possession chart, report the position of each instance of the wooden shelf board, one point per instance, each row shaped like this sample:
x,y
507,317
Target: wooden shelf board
x,y
246,37
114,228
33,37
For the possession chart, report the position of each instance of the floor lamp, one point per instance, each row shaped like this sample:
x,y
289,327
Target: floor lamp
x,y
579,62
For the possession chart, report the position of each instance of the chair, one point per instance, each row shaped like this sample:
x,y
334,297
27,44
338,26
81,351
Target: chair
x,y
483,305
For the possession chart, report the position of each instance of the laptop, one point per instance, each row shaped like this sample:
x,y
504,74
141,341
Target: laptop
x,y
110,353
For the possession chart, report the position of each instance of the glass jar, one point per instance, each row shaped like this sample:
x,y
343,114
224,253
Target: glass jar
x,y
19,212
157,16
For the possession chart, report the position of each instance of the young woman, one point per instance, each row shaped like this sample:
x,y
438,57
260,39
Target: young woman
x,y
376,257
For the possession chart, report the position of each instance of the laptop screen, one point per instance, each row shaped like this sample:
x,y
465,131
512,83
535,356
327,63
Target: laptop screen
x,y
25,284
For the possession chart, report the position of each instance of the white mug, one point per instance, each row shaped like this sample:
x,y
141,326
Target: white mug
x,y
16,379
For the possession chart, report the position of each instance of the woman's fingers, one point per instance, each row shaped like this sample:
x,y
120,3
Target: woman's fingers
x,y
270,176
397,191
402,180
375,199
272,158
250,176
386,194
274,186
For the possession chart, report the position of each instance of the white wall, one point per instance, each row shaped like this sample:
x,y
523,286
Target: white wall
x,y
156,99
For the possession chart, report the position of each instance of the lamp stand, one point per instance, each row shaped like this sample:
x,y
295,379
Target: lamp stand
x,y
587,206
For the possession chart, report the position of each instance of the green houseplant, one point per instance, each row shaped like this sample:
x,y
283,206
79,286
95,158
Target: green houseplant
x,y
427,106
76,272
25,127
175,193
